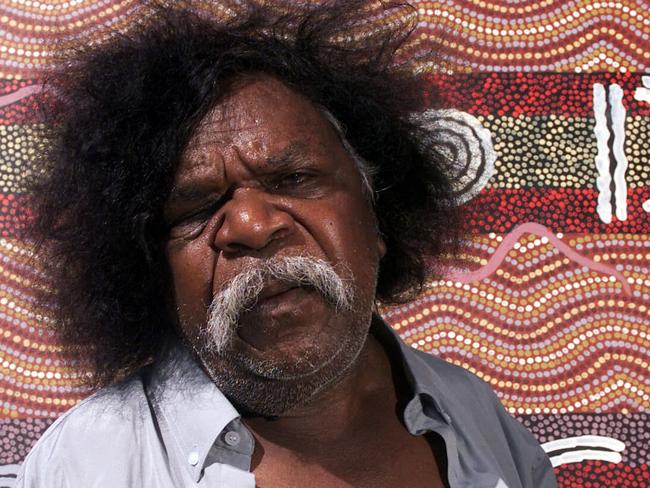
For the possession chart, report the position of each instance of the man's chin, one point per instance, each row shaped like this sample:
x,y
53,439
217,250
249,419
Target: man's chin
x,y
291,361
270,385
274,397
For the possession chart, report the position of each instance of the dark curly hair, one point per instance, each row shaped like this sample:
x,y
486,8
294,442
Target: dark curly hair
x,y
119,114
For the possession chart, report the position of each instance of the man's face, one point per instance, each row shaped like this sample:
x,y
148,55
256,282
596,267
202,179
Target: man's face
x,y
265,177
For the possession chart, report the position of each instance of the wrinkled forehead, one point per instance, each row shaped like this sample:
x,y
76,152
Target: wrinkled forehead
x,y
260,114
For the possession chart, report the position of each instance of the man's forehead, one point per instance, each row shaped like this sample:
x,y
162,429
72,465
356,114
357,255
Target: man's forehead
x,y
253,96
221,132
259,118
294,154
220,126
253,107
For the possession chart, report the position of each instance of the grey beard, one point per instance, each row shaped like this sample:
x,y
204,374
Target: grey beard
x,y
271,388
243,291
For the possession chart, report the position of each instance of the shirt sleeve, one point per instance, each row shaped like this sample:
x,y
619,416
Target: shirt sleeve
x,y
532,463
40,470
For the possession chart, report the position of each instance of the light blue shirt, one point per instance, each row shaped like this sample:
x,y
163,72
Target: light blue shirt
x,y
170,426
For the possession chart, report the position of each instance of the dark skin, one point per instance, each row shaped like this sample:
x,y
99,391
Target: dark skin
x,y
350,436
266,175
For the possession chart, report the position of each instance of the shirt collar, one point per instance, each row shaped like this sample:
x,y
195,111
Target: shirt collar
x,y
191,410
429,389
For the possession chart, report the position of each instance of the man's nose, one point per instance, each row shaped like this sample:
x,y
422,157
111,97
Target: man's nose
x,y
251,222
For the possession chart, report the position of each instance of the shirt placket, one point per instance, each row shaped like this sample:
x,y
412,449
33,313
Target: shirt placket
x,y
229,461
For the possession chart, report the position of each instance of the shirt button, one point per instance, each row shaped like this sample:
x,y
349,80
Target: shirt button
x,y
193,458
232,438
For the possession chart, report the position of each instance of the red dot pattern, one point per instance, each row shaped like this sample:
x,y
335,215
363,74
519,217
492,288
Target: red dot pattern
x,y
597,474
13,214
534,94
527,187
559,209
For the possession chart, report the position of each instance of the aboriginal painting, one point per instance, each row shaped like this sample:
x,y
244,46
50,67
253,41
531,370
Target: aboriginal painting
x,y
547,109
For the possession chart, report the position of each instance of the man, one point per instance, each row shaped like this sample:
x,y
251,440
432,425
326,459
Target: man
x,y
224,203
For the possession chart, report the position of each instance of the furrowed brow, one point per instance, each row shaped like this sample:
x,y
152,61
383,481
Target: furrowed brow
x,y
189,194
293,155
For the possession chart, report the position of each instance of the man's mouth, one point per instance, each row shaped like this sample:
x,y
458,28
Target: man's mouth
x,y
282,298
274,289
278,298
282,311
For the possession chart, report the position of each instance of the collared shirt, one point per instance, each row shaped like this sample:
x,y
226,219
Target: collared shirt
x,y
170,426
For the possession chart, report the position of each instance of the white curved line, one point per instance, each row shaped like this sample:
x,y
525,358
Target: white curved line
x,y
579,456
584,441
9,469
604,207
642,94
618,126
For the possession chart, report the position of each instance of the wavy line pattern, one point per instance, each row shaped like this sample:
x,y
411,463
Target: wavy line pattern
x,y
557,324
549,333
629,428
575,36
579,36
34,380
30,32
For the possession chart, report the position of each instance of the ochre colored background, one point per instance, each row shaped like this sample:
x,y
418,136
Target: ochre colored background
x,y
549,303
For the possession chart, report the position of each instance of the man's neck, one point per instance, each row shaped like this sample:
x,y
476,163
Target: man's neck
x,y
366,393
350,435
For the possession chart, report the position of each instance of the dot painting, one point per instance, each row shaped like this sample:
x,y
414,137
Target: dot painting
x,y
545,301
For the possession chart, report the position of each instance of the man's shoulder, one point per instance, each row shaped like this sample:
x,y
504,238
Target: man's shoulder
x,y
472,402
105,426
463,383
114,407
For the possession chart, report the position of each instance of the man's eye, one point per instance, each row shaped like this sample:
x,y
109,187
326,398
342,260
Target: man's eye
x,y
191,225
297,179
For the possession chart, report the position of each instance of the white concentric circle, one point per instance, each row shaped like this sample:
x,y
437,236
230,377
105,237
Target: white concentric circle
x,y
467,144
